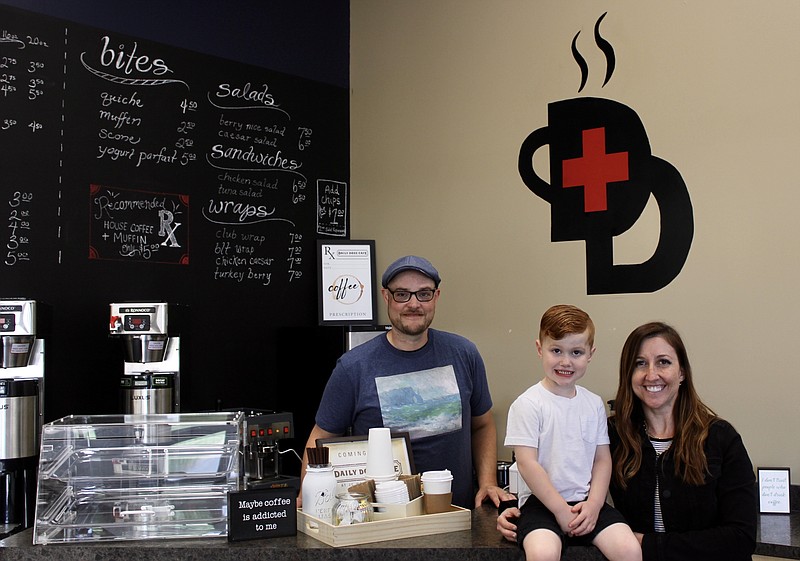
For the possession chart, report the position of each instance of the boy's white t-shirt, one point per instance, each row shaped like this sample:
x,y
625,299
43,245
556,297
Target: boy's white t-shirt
x,y
565,431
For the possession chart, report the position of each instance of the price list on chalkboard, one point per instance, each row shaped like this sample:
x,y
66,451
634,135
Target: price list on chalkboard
x,y
262,159
31,80
179,165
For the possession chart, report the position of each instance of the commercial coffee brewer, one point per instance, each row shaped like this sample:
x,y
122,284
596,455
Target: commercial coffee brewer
x,y
261,453
150,332
21,409
356,335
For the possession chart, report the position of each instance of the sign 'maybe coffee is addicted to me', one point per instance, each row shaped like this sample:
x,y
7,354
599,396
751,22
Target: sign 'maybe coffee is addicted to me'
x,y
268,513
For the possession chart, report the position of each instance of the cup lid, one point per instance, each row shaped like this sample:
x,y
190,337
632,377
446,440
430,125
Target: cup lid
x,y
441,475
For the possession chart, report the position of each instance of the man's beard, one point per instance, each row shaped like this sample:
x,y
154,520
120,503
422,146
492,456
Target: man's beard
x,y
411,328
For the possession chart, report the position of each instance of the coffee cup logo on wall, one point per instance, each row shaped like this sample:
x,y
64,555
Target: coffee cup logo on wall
x,y
602,173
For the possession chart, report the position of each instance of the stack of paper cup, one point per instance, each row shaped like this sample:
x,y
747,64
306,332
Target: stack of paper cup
x,y
380,460
437,491
391,492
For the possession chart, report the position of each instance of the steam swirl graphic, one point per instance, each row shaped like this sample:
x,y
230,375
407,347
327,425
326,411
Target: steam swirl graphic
x,y
580,60
603,45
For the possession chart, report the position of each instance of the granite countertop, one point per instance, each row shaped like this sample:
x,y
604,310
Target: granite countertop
x,y
481,543
779,536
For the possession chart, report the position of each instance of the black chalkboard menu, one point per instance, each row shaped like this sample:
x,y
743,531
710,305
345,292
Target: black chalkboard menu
x,y
136,171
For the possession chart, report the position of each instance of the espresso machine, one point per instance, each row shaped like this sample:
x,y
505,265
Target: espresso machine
x,y
261,453
152,346
21,410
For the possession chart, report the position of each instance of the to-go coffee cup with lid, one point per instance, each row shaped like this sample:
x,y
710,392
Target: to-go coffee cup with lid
x,y
437,490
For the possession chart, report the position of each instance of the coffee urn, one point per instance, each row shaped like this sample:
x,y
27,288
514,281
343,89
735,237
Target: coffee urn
x,y
151,379
21,410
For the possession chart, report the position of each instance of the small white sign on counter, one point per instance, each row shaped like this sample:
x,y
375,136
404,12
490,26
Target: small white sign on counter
x,y
773,490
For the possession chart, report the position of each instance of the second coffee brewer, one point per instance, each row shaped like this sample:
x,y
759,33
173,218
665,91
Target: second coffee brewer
x,y
150,332
21,408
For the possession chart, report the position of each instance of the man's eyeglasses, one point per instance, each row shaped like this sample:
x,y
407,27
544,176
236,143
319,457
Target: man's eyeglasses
x,y
402,296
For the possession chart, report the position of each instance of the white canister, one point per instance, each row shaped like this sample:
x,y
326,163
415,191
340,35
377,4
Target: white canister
x,y
319,492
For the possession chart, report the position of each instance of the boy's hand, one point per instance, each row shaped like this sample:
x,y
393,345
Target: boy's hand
x,y
566,519
506,523
585,518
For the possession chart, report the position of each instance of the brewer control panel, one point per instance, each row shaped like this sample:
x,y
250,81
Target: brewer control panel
x,y
18,317
144,318
268,426
7,323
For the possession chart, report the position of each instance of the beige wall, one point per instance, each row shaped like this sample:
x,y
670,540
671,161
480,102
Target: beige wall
x,y
445,91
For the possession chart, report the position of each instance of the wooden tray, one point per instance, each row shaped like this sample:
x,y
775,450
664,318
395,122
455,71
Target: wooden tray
x,y
369,532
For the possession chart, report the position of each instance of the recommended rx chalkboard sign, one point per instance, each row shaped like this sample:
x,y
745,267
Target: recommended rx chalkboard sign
x,y
138,225
267,513
137,171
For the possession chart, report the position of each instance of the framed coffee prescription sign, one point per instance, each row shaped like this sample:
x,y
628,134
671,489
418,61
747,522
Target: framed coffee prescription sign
x,y
346,282
348,456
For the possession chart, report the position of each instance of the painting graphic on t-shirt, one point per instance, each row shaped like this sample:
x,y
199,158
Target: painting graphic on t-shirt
x,y
423,403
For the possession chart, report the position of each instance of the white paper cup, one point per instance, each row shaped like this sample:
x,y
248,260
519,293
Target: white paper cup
x,y
380,460
437,482
395,492
382,478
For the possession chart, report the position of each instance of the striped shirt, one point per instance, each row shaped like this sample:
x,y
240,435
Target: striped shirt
x,y
660,445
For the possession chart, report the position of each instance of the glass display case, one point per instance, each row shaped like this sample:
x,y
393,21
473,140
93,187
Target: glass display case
x,y
133,477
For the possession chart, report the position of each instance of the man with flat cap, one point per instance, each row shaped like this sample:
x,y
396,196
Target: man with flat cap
x,y
429,383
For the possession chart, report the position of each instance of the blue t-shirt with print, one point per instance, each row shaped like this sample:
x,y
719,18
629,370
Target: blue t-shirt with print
x,y
431,393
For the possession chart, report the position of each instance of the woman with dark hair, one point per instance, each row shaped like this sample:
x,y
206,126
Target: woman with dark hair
x,y
681,475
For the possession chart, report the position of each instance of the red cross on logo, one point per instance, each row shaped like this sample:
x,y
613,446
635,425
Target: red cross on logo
x,y
595,170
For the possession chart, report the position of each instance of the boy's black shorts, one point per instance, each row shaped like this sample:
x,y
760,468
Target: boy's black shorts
x,y
536,516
